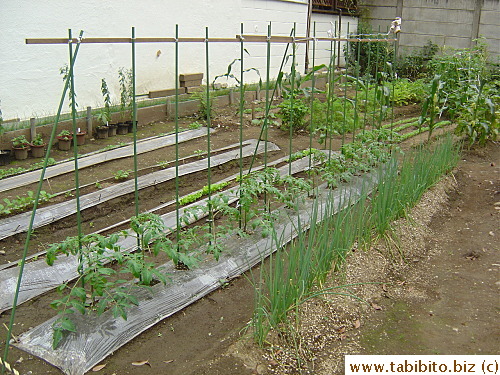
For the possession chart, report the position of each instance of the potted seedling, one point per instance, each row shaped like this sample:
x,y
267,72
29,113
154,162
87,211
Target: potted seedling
x,y
38,146
64,139
20,145
102,129
105,114
124,79
80,136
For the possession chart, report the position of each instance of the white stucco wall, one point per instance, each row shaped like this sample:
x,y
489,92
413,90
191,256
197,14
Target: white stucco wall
x,y
31,84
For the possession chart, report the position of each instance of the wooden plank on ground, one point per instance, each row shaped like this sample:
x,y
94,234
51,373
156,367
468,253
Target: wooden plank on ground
x,y
96,337
143,146
46,215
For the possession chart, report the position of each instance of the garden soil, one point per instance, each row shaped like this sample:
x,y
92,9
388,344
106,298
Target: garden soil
x,y
431,287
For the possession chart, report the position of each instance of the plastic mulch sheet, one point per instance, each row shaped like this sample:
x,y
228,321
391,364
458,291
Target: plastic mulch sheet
x,y
99,336
46,215
39,278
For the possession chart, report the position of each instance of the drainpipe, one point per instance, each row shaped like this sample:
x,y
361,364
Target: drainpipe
x,y
308,33
340,29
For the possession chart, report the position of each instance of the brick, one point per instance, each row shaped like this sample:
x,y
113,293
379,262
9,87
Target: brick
x,y
190,76
191,83
163,93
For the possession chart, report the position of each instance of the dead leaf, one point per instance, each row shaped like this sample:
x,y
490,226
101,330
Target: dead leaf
x,y
341,329
98,368
357,324
376,307
141,363
384,287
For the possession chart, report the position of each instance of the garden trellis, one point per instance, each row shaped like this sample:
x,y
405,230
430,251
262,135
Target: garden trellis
x,y
292,84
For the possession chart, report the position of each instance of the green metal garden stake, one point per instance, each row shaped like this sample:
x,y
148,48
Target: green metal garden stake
x,y
313,85
209,145
35,207
75,155
346,61
292,97
177,204
134,119
367,83
356,115
242,102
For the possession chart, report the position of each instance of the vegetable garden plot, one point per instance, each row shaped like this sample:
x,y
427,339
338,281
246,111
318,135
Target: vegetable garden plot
x,y
46,215
97,337
143,146
40,278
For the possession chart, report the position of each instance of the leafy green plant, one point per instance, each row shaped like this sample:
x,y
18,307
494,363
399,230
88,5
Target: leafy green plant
x,y
99,286
430,107
478,119
294,274
413,65
104,115
18,170
206,106
331,118
65,135
201,193
292,113
121,175
195,125
407,92
21,203
126,93
38,140
372,55
20,142
64,71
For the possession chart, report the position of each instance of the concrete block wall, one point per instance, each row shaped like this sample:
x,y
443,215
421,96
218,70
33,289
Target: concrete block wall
x,y
446,23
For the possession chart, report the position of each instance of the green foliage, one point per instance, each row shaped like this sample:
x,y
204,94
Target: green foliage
x,y
458,71
121,175
20,142
201,193
195,125
14,171
372,55
329,119
65,135
22,203
126,92
206,107
408,92
104,115
99,286
38,141
295,274
414,65
370,149
431,104
402,183
478,120
292,113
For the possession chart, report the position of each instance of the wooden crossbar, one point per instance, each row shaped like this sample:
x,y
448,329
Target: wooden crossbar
x,y
246,38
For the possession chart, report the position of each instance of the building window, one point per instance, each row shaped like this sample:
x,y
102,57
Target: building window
x,y
335,6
